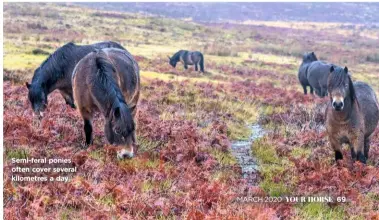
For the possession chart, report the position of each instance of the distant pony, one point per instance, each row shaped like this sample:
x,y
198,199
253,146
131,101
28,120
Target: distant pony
x,y
188,58
318,72
55,73
108,81
308,58
351,115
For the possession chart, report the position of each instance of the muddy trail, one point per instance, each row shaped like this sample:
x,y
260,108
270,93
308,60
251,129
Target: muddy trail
x,y
242,151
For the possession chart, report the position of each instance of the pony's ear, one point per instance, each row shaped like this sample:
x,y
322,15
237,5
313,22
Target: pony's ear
x,y
313,53
346,69
116,112
27,85
332,69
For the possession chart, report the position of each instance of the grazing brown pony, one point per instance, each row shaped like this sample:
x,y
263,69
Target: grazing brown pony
x,y
108,81
352,114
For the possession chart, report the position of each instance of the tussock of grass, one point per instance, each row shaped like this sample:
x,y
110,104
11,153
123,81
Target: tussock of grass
x,y
147,186
271,165
224,158
162,186
107,200
165,185
19,153
225,175
320,211
146,145
97,155
301,152
69,214
238,131
138,164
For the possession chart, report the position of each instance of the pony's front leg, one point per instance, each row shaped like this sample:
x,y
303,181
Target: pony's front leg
x,y
68,98
196,69
88,131
185,66
336,146
311,88
305,90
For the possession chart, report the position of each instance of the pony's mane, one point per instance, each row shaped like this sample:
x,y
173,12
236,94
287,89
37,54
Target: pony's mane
x,y
109,88
176,56
337,79
104,76
54,63
309,57
314,57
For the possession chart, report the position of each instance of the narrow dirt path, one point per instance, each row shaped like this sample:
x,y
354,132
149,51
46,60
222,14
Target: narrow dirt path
x,y
242,151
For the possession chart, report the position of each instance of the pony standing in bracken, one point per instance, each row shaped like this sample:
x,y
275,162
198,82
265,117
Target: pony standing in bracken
x,y
108,81
55,73
308,58
318,73
352,114
188,58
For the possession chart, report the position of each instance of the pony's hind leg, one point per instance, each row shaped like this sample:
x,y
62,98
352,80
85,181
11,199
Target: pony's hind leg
x,y
367,147
311,89
305,89
196,69
88,131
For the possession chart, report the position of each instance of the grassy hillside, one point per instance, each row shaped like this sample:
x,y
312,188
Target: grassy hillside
x,y
187,120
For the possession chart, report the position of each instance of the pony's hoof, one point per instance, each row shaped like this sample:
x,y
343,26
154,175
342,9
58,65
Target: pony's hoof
x,y
124,154
85,145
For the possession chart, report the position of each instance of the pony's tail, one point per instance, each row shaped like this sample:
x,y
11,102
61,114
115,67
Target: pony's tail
x,y
103,65
201,63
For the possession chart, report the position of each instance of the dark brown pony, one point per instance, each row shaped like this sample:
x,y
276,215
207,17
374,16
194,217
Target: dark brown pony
x,y
308,58
55,73
188,58
318,73
108,81
352,114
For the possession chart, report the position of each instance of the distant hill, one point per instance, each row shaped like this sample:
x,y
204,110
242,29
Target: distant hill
x,y
217,12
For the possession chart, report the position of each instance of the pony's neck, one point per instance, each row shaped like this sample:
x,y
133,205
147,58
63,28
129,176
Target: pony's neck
x,y
344,115
176,57
45,75
40,79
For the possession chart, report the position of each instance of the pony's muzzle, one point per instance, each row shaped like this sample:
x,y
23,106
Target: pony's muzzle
x,y
338,106
38,115
125,154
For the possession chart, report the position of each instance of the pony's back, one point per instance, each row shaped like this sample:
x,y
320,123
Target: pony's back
x,y
317,76
369,106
